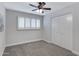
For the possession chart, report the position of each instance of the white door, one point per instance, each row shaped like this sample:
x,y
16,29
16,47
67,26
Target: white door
x,y
62,31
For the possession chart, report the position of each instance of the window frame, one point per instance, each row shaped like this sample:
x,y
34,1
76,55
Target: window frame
x,y
23,29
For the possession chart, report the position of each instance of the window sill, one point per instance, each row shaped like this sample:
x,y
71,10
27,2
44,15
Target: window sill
x,y
28,29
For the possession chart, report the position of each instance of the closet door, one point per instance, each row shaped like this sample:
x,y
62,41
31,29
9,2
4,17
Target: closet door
x,y
62,31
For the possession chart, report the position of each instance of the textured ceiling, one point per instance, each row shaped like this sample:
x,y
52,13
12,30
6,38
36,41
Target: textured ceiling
x,y
24,6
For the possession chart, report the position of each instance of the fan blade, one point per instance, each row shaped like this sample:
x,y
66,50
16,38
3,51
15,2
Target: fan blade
x,y
34,9
33,5
47,8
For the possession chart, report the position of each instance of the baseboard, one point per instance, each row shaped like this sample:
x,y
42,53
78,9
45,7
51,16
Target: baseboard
x,y
22,42
48,41
2,51
75,52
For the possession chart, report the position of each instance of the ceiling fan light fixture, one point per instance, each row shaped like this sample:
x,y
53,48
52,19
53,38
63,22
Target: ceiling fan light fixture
x,y
39,11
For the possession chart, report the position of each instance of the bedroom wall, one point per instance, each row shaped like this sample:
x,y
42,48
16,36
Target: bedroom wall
x,y
2,34
49,24
62,27
76,28
62,31
17,37
47,27
74,10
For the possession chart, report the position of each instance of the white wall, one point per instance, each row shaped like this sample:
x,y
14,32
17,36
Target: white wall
x,y
48,18
76,28
58,29
47,27
62,31
74,10
15,36
2,34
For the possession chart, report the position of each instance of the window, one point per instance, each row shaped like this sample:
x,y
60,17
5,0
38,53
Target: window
x,y
33,23
20,22
28,23
38,23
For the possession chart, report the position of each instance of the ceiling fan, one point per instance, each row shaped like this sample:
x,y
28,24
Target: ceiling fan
x,y
41,6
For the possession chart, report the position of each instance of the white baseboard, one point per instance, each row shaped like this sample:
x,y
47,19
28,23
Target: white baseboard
x,y
22,42
48,41
2,51
75,52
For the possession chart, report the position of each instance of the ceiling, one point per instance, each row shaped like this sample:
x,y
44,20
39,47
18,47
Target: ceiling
x,y
24,6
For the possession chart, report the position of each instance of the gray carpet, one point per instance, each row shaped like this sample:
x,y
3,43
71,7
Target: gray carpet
x,y
39,48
